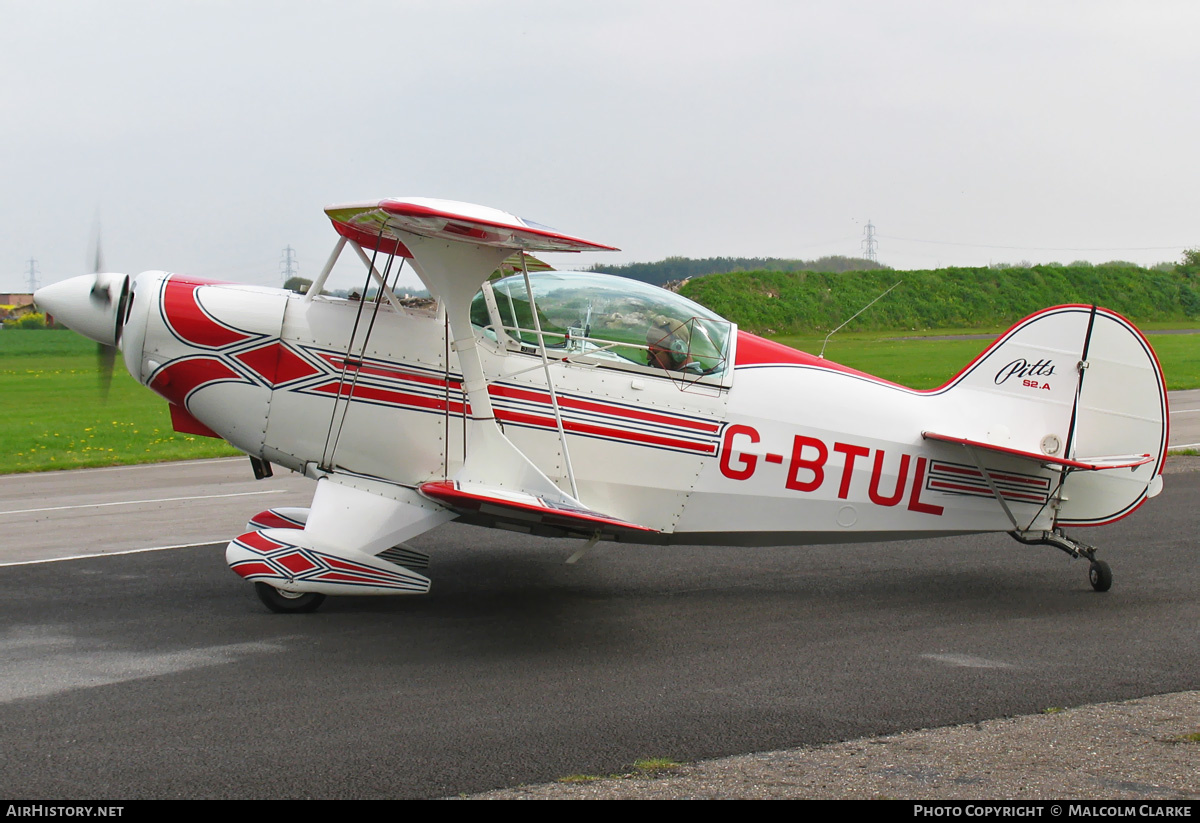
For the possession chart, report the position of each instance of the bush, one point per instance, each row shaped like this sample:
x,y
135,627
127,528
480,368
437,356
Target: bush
x,y
33,320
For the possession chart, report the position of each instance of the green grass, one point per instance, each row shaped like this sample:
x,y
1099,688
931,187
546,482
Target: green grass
x,y
646,767
918,364
655,765
53,416
921,363
21,343
1179,355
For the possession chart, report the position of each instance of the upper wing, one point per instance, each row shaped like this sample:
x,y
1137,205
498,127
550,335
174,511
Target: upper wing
x,y
380,225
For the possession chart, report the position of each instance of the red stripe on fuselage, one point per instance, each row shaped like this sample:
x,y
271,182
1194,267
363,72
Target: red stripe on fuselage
x,y
396,398
603,431
602,408
339,362
944,467
984,492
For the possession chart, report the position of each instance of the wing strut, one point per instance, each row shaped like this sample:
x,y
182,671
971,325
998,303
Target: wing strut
x,y
344,395
381,280
562,434
319,283
973,453
314,290
987,477
453,271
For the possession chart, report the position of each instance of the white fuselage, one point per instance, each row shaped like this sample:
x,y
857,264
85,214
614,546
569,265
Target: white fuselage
x,y
794,451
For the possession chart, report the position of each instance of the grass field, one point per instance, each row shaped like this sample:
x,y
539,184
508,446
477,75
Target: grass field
x,y
54,418
922,363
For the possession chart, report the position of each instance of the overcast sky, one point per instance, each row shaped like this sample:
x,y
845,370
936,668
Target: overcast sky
x,y
208,136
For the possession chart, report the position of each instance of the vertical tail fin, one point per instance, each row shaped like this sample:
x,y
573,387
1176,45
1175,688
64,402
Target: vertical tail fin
x,y
1074,383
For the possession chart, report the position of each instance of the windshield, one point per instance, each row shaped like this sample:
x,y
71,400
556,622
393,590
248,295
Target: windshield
x,y
607,319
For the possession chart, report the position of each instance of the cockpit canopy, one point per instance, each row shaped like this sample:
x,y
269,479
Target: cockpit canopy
x,y
607,321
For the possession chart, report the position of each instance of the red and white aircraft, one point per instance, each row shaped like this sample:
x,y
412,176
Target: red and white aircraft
x,y
582,405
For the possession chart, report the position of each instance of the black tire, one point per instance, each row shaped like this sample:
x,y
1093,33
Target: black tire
x,y
1100,576
288,602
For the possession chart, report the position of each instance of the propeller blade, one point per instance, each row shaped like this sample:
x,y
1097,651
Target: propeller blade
x,y
106,356
122,310
101,292
98,256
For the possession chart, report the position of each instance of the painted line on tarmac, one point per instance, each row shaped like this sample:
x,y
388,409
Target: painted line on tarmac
x,y
136,502
115,554
1184,446
166,464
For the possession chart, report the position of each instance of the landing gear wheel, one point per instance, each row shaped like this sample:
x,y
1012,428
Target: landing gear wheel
x,y
283,602
1100,576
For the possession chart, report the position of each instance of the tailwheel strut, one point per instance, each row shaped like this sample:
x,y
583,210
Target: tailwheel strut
x,y
1099,572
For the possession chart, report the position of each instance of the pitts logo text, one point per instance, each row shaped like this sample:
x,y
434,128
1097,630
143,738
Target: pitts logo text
x,y
1023,368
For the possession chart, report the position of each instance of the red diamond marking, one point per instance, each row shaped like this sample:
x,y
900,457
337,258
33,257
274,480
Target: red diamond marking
x,y
295,563
277,364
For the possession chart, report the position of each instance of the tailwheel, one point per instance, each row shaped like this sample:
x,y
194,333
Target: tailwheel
x,y
283,602
1100,576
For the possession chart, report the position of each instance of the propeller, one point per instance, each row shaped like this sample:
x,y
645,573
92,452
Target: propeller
x,y
104,287
102,295
96,305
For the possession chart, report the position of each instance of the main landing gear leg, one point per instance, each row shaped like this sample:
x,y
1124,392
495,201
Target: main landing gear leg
x,y
1099,573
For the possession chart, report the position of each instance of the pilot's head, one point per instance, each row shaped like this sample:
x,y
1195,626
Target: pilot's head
x,y
667,340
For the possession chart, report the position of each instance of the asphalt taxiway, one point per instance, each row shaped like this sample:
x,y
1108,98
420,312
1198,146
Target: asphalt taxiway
x,y
144,671
1185,419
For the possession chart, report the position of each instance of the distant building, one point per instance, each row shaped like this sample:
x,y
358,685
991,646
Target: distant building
x,y
16,299
15,305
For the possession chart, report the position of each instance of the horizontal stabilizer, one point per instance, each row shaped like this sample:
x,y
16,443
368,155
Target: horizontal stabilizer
x,y
1127,461
507,506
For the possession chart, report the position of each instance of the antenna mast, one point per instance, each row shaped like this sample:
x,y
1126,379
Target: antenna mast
x,y
856,314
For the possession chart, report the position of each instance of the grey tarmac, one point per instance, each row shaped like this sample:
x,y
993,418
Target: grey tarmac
x,y
157,674
1142,749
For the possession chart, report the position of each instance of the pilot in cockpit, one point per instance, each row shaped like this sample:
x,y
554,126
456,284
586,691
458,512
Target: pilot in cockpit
x,y
667,340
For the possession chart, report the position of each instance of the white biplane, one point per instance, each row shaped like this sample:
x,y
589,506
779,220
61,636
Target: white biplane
x,y
587,406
